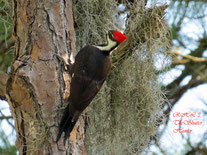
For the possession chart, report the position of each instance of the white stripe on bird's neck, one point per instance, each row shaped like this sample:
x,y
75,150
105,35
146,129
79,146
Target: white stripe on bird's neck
x,y
109,46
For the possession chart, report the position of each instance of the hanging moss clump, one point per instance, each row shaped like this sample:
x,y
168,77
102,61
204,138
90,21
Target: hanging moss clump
x,y
127,111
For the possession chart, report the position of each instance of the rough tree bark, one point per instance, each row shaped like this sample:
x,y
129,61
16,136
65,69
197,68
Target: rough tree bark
x,y
38,84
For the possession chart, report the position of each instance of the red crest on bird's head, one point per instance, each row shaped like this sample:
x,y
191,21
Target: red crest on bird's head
x,y
118,36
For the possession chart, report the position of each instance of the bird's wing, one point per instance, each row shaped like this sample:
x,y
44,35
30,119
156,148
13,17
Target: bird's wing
x,y
83,90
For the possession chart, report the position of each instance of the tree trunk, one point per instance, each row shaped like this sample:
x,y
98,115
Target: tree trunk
x,y
38,85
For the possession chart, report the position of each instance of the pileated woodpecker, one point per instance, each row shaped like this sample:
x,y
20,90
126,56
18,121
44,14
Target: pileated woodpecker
x,y
91,67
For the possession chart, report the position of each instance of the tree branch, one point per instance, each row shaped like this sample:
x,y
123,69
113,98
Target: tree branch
x,y
160,148
179,91
175,94
3,80
6,117
188,58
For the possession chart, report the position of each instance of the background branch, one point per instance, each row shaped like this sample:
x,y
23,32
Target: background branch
x,y
3,80
188,58
3,117
6,117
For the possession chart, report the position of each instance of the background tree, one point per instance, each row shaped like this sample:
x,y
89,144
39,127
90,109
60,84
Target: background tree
x,y
187,20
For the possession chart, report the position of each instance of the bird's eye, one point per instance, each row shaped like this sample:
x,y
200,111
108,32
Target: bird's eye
x,y
109,33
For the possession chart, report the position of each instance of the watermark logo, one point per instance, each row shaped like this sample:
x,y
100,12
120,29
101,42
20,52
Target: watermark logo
x,y
187,114
186,119
181,130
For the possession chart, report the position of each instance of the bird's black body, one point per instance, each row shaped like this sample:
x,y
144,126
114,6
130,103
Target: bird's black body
x,y
91,67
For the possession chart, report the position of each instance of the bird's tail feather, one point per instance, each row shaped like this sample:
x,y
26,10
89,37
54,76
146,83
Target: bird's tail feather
x,y
66,125
68,131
